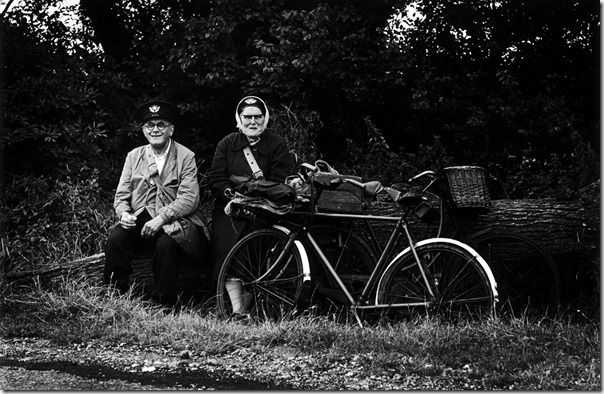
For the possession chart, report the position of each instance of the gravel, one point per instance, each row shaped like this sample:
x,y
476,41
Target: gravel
x,y
38,364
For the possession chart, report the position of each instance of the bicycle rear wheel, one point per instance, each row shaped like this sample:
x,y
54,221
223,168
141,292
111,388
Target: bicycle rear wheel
x,y
269,285
526,275
460,285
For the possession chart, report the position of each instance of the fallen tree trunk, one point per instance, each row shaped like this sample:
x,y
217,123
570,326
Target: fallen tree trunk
x,y
89,268
560,227
567,230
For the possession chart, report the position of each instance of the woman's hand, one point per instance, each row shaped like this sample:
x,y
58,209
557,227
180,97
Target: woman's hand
x,y
152,227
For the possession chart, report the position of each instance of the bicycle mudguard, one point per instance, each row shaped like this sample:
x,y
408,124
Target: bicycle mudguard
x,y
468,248
301,251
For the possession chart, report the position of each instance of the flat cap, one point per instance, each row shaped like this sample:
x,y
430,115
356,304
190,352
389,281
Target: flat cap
x,y
156,109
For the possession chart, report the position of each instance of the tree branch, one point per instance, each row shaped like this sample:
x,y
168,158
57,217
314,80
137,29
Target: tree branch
x,y
5,10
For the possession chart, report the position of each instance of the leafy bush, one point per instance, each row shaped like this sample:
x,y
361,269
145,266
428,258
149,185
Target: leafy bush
x,y
558,175
50,221
299,127
376,160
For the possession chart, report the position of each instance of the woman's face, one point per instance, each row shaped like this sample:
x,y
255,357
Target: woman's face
x,y
252,121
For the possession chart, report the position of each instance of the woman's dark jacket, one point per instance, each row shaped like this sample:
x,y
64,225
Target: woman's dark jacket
x,y
271,154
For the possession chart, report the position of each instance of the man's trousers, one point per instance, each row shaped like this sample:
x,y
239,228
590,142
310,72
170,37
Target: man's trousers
x,y
168,260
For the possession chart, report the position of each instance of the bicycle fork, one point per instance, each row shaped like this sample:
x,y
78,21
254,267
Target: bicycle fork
x,y
418,260
292,242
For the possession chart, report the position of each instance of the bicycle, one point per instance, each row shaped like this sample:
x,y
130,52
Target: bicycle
x,y
269,268
526,274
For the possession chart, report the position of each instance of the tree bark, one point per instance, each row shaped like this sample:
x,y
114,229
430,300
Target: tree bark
x,y
560,227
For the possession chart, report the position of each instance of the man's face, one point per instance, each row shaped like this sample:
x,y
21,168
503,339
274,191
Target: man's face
x,y
158,132
252,121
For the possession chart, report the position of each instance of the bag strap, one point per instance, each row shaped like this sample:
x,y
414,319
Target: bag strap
x,y
155,178
251,160
324,166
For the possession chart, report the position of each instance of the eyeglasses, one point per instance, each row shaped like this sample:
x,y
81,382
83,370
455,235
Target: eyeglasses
x,y
255,117
160,125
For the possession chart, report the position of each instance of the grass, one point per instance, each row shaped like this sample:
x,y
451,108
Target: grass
x,y
521,352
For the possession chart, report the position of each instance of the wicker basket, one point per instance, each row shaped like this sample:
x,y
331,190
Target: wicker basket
x,y
468,187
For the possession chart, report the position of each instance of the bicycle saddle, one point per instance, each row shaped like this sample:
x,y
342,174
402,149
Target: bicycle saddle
x,y
411,198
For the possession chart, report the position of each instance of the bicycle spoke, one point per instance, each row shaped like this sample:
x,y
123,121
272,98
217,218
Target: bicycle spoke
x,y
468,300
458,282
463,276
279,295
270,287
349,255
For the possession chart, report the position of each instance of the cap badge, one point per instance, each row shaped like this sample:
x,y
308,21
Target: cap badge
x,y
251,101
154,108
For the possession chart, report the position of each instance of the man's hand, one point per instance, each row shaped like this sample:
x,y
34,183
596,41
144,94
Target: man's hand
x,y
152,227
127,221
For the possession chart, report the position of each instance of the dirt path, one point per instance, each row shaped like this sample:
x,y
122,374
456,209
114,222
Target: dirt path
x,y
70,376
38,364
47,378
35,364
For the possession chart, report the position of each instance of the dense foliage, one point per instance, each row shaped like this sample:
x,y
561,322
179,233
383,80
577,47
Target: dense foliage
x,y
383,88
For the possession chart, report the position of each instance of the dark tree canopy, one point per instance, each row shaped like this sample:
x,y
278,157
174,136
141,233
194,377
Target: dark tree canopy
x,y
511,85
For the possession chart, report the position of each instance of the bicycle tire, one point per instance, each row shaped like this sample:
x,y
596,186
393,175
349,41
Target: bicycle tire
x,y
462,286
527,276
349,254
274,290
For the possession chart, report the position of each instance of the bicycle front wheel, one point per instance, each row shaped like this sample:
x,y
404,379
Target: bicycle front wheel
x,y
527,276
262,276
455,283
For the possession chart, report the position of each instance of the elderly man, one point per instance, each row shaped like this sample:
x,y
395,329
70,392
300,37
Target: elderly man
x,y
157,204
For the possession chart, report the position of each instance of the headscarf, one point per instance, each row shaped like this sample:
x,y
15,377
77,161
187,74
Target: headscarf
x,y
251,101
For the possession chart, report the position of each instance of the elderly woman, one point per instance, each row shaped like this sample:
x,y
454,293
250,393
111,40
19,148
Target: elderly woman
x,y
272,156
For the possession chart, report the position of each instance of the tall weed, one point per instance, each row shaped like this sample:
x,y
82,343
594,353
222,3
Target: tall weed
x,y
376,160
49,221
298,126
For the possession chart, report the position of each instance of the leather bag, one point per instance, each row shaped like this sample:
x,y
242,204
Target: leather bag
x,y
331,194
277,192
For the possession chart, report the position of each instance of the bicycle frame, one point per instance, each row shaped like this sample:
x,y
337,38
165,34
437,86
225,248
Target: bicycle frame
x,y
384,259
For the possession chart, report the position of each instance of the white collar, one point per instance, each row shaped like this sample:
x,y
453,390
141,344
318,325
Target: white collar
x,y
162,156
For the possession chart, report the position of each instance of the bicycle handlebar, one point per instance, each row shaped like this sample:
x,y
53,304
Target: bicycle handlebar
x,y
309,167
430,173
